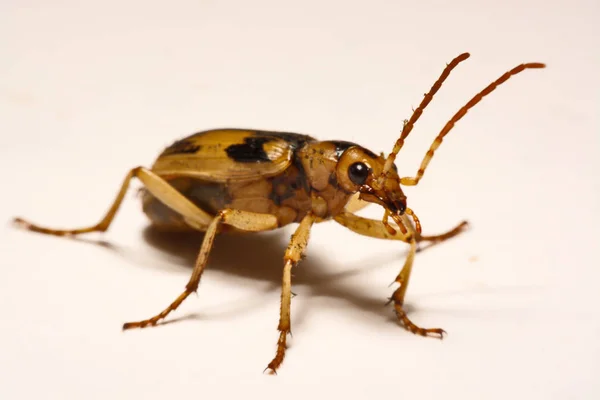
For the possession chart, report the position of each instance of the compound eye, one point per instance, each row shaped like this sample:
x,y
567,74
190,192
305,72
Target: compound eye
x,y
358,173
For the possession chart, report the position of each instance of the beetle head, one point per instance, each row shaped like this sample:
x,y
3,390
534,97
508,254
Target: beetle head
x,y
360,170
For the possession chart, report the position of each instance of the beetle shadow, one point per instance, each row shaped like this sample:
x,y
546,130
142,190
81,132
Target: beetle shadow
x,y
259,257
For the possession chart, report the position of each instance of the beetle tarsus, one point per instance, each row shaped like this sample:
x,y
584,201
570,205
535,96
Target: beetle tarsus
x,y
140,324
21,223
463,226
412,327
280,354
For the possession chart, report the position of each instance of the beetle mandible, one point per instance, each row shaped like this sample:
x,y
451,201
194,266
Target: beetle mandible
x,y
248,180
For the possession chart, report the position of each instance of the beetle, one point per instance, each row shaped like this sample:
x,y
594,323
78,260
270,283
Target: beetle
x,y
251,181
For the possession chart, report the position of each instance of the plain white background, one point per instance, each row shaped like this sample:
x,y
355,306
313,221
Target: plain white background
x,y
89,90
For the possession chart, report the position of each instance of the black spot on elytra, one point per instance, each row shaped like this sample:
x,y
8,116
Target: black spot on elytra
x,y
251,151
183,146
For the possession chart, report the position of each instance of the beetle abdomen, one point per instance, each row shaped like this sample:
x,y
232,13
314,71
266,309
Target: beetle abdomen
x,y
286,196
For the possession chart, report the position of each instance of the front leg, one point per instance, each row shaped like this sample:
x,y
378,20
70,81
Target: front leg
x,y
376,229
398,296
293,255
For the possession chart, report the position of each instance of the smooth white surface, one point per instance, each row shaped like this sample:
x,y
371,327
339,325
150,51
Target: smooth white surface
x,y
91,89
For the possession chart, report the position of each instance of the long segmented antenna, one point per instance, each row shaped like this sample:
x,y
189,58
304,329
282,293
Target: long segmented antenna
x,y
461,113
408,126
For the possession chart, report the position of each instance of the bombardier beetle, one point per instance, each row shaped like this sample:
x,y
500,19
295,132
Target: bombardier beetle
x,y
249,180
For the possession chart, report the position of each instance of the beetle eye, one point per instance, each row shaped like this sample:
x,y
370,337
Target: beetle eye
x,y
358,173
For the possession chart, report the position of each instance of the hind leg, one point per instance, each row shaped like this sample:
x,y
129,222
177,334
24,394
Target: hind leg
x,y
156,185
243,220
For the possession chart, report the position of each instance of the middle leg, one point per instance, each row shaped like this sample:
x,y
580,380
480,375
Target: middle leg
x,y
293,255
